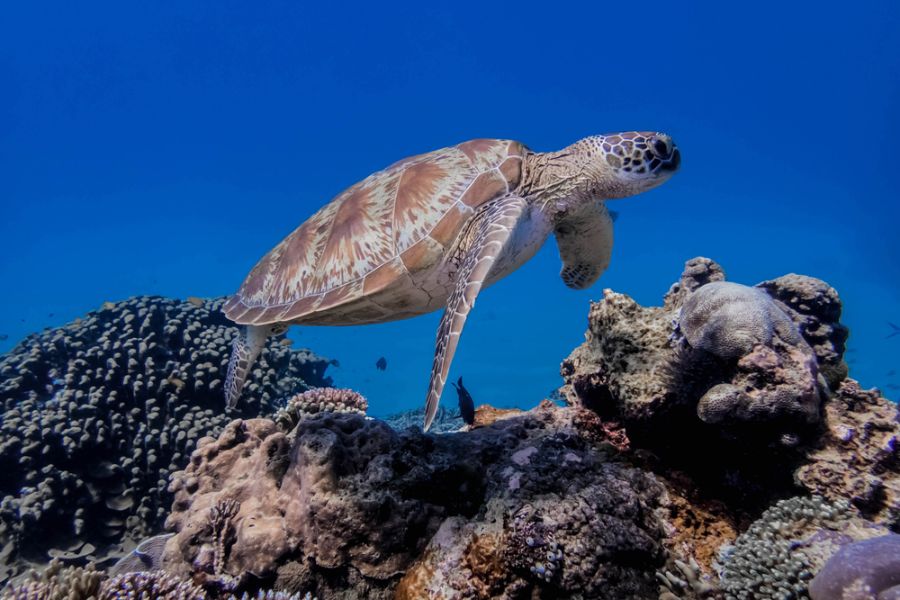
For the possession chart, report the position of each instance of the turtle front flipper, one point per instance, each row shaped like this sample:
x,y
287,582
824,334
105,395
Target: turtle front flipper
x,y
585,240
246,347
490,232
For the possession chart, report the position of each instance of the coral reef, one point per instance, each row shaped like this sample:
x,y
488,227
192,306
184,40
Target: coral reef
x,y
858,455
866,570
350,507
778,555
711,447
319,400
724,365
98,413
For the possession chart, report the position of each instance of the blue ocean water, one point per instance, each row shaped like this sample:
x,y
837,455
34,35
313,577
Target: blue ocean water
x,y
162,148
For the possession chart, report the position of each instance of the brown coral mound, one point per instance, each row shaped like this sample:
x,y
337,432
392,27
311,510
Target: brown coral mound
x,y
349,507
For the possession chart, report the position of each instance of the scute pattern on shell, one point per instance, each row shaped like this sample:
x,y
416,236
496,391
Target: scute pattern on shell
x,y
369,235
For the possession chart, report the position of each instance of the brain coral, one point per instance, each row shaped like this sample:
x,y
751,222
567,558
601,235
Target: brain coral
x,y
97,414
727,319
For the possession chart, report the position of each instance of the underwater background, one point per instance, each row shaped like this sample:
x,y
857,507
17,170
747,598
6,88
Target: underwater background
x,y
163,148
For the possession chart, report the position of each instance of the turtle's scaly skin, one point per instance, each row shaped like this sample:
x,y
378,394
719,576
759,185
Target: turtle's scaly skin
x,y
365,257
430,231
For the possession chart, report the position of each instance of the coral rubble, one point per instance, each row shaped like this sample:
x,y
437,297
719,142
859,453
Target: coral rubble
x,y
98,413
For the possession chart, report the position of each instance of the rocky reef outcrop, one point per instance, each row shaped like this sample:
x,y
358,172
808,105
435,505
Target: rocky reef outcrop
x,y
728,382
98,414
352,508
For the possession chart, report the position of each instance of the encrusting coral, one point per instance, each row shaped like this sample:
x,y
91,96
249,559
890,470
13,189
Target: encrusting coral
x,y
97,414
857,457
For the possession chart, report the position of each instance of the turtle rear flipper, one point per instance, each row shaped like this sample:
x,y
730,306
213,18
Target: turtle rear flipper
x,y
244,350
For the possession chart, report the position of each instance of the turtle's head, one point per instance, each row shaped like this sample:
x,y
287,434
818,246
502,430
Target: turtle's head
x,y
628,163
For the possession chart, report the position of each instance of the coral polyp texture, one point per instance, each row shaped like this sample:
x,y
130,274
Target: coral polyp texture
x,y
781,552
320,400
98,414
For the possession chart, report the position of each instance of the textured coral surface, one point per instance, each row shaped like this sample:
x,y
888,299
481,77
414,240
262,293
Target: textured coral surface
x,y
346,505
97,414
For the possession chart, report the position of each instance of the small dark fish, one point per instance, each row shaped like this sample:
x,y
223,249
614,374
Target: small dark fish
x,y
613,215
51,315
335,363
381,364
895,332
466,404
892,372
4,336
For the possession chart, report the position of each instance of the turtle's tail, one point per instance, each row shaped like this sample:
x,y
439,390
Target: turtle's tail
x,y
246,347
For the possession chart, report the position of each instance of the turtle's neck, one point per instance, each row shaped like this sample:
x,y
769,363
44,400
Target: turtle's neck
x,y
556,180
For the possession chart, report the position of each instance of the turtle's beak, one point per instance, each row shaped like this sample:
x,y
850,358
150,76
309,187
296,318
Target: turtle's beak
x,y
663,147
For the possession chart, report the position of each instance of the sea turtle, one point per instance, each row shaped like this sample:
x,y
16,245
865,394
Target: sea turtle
x,y
429,231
